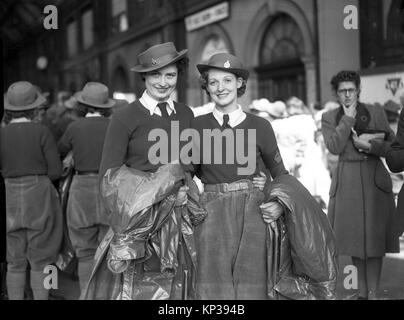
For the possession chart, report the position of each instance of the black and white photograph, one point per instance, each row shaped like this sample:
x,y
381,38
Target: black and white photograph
x,y
215,151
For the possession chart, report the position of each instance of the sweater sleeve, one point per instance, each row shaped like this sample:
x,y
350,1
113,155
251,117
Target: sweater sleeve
x,y
270,151
395,154
381,147
65,142
115,145
336,137
51,155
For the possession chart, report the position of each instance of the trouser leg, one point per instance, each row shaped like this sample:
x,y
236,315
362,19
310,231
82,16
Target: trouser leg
x,y
85,267
37,285
15,284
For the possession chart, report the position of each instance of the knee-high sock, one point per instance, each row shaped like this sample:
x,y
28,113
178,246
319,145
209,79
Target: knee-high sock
x,y
84,269
37,285
15,284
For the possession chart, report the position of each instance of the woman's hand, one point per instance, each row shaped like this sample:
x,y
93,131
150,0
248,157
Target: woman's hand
x,y
259,181
182,197
271,211
361,144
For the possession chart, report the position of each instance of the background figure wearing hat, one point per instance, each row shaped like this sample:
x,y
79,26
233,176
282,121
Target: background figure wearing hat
x,y
61,114
268,110
300,152
127,138
218,237
361,206
86,216
29,161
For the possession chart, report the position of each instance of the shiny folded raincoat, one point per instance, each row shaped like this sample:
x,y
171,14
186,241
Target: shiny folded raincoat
x,y
301,246
149,251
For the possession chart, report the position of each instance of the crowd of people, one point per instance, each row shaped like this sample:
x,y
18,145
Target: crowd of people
x,y
82,173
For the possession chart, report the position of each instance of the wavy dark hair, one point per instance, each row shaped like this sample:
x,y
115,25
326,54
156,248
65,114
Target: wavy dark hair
x,y
10,115
203,80
182,66
346,76
83,109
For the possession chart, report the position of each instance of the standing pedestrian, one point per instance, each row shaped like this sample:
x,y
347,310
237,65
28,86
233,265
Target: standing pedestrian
x,y
29,161
127,143
395,161
86,216
231,250
361,203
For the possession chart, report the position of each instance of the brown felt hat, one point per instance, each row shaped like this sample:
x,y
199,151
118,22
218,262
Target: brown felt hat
x,y
96,95
226,62
23,95
157,57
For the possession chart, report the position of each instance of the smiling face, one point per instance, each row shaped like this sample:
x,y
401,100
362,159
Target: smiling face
x,y
222,87
347,93
162,82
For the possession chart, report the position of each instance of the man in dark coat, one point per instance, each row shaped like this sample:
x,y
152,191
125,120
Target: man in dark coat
x,y
395,161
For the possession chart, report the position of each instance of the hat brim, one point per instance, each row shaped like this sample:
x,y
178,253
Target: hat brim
x,y
79,98
238,72
40,100
140,68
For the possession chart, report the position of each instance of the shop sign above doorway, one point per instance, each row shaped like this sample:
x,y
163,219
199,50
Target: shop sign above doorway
x,y
208,16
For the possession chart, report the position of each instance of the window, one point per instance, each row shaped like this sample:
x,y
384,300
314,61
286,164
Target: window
x,y
281,71
120,21
87,29
382,38
72,35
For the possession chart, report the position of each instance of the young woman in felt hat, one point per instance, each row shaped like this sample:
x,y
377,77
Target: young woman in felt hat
x,y
127,144
86,216
29,161
230,242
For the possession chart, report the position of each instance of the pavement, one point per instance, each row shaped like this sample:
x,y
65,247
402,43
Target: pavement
x,y
391,283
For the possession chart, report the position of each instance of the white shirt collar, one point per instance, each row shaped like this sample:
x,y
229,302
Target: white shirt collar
x,y
151,104
20,120
235,117
94,114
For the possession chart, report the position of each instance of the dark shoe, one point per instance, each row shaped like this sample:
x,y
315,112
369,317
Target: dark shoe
x,y
362,298
54,296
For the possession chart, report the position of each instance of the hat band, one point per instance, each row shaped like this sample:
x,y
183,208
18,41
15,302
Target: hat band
x,y
95,100
160,60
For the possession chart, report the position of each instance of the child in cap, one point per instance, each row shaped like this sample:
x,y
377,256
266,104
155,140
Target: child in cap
x,y
29,161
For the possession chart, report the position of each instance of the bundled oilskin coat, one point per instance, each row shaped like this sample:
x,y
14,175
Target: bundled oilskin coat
x,y
361,207
149,251
301,247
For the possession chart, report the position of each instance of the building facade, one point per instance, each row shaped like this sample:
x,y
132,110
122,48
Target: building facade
x,y
291,47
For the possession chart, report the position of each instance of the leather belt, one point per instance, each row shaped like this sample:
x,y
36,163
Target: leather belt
x,y
227,187
81,173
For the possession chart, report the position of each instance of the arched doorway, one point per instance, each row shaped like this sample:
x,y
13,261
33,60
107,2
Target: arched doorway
x,y
281,71
120,85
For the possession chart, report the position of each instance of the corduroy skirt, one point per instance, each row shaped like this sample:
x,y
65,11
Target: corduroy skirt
x,y
231,247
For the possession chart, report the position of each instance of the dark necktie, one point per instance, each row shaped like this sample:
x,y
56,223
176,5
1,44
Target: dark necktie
x,y
226,121
163,108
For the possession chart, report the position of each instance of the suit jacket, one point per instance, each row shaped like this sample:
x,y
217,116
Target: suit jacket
x,y
395,161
